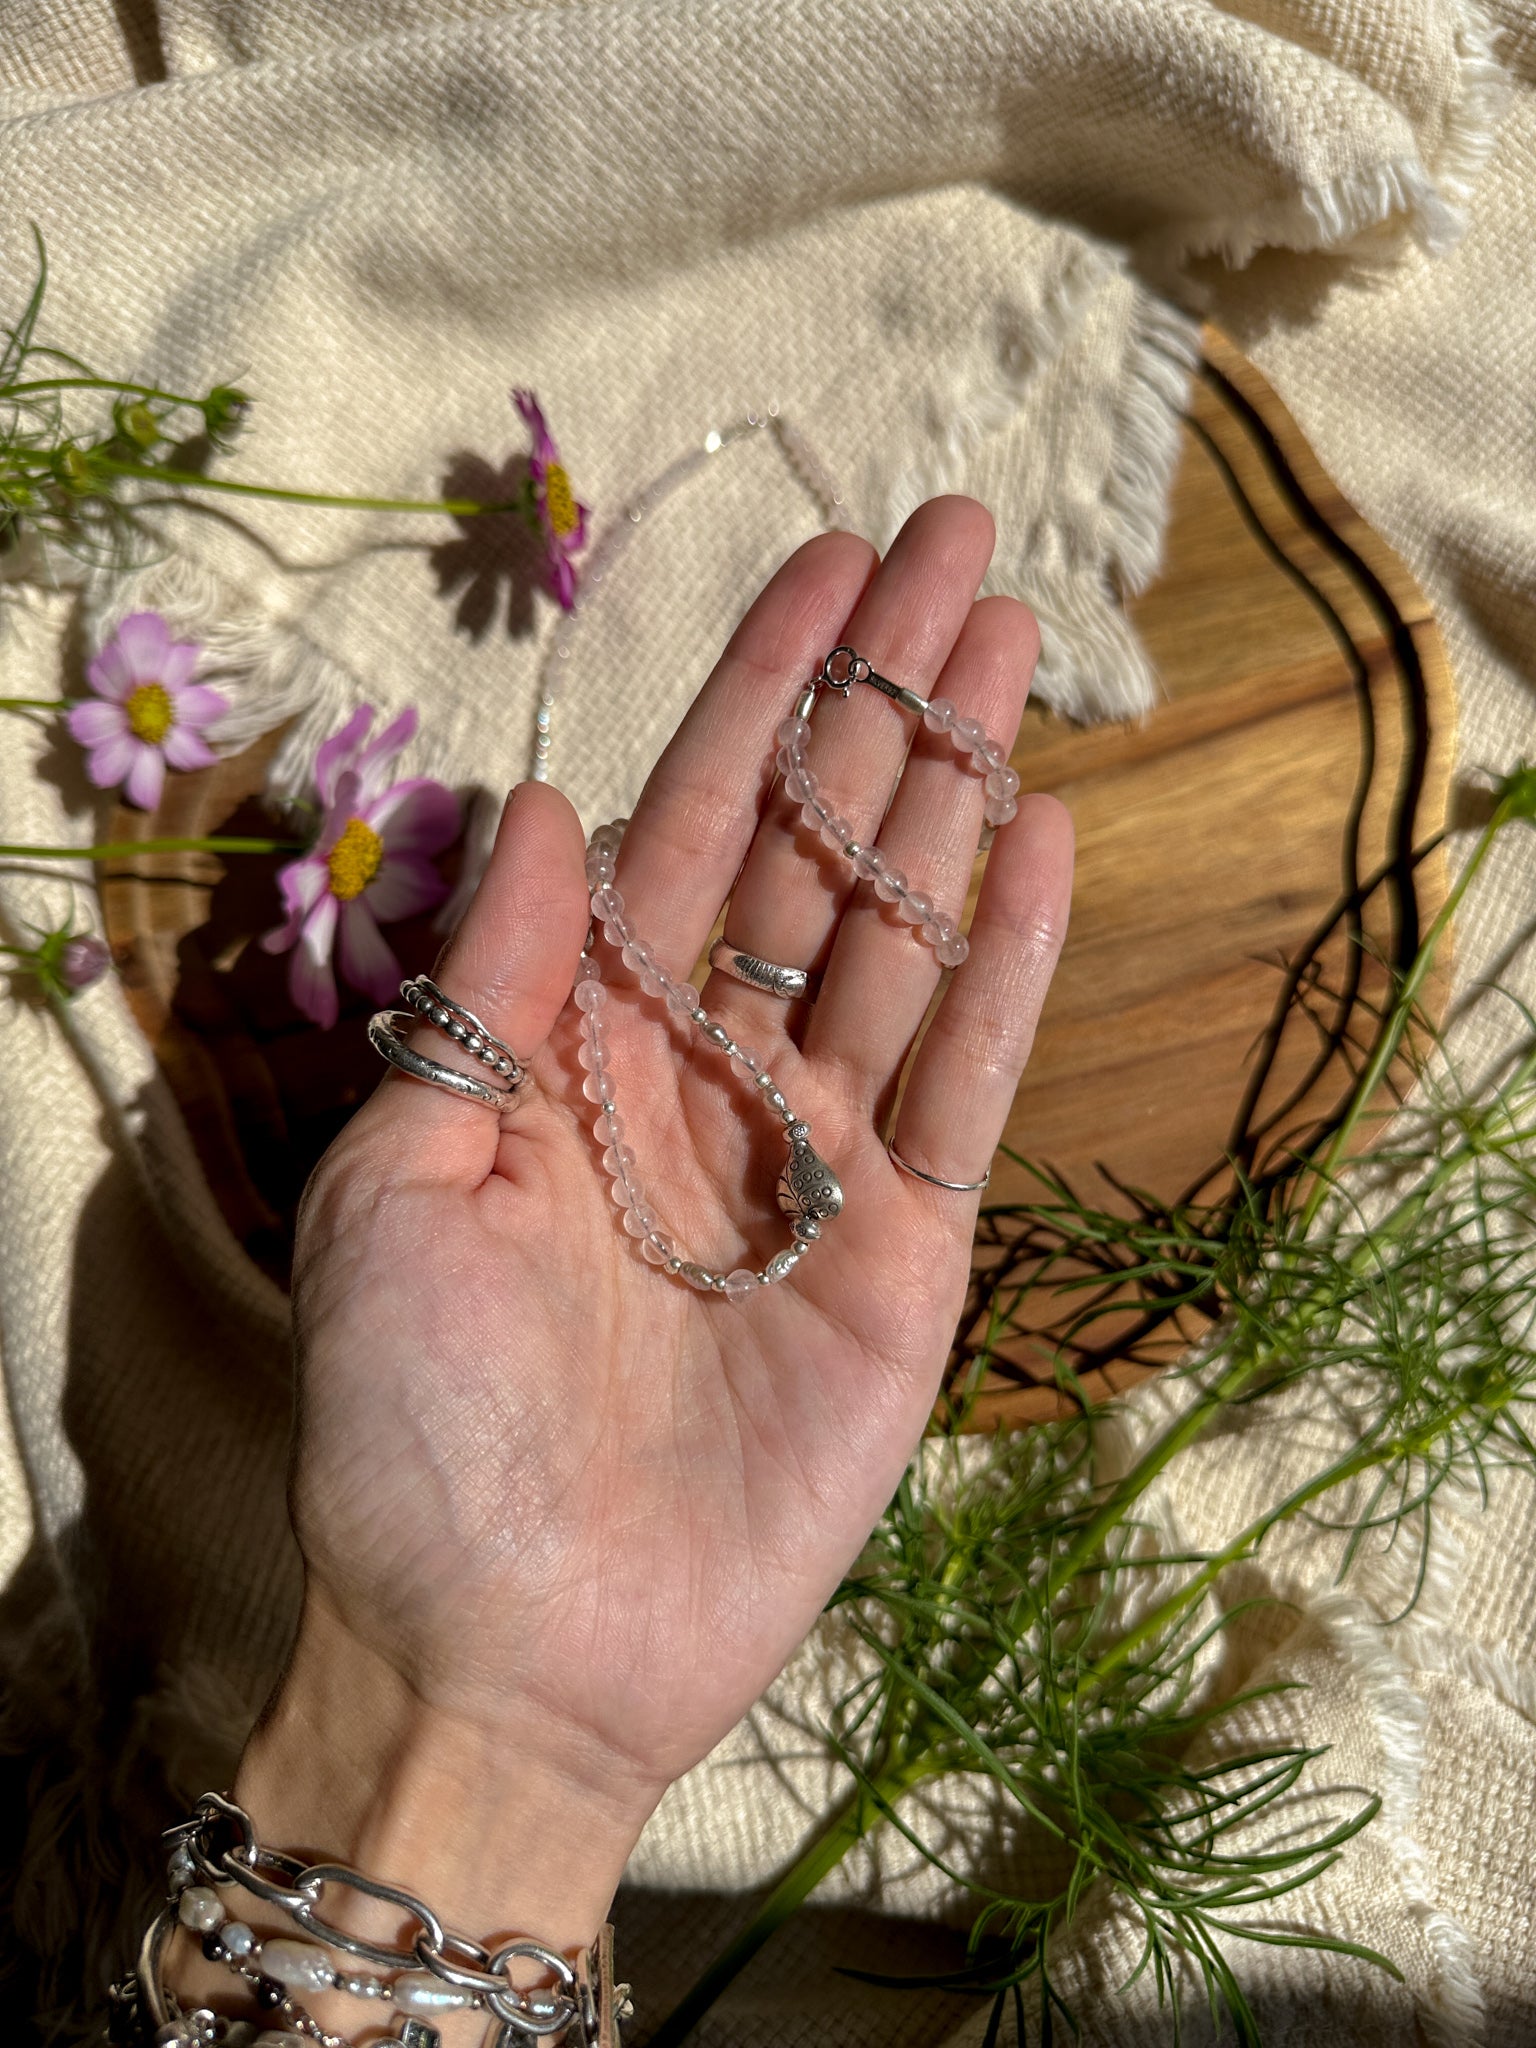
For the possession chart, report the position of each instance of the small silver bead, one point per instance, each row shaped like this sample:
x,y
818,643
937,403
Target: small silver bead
x,y
700,1016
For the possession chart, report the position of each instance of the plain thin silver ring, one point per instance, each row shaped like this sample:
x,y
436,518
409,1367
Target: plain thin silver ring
x,y
386,1030
959,1187
789,984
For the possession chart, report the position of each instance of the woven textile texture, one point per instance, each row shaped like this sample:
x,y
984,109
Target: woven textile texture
x,y
926,235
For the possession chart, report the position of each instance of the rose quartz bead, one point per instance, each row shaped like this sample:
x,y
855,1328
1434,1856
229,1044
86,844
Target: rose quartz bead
x,y
1000,810
1003,782
991,756
607,902
597,1087
915,908
587,968
608,836
626,1191
682,996
890,884
609,1127
652,983
836,832
740,1284
749,1061
589,1055
950,952
967,734
590,995
657,1249
796,788
619,1159
940,715
937,929
814,812
867,863
793,729
615,933
640,1220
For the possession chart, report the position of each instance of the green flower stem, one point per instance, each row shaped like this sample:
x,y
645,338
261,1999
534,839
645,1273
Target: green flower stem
x,y
125,849
187,479
1510,805
113,384
33,703
846,1829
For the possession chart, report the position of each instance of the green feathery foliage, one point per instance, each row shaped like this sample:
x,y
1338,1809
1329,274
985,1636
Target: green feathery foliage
x,y
1018,1619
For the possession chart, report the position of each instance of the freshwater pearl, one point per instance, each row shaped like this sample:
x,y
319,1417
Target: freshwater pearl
x,y
199,1908
237,1937
297,1965
419,1992
739,1284
698,1277
940,715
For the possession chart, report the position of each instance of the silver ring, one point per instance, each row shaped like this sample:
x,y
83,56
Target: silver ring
x,y
790,984
959,1187
463,1027
386,1034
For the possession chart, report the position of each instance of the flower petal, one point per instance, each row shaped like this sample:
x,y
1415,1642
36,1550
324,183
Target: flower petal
x,y
108,764
301,884
544,449
336,753
311,983
373,763
108,672
197,704
145,640
180,664
416,816
366,958
146,775
562,579
94,722
334,823
405,886
185,749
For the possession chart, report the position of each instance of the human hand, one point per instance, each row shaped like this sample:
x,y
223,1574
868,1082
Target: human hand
x,y
563,1518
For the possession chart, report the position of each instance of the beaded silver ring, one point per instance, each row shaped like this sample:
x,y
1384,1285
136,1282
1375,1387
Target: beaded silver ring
x,y
428,1005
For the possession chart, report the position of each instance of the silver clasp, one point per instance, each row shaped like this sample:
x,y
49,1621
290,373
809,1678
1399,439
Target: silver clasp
x,y
845,666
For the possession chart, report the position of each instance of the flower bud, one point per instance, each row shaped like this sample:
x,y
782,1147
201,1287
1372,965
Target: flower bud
x,y
83,960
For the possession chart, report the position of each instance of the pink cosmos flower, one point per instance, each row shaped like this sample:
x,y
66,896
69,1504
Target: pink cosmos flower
x,y
147,712
371,865
561,520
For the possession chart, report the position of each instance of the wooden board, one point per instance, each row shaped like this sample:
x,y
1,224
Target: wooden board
x,y
1304,743
1265,818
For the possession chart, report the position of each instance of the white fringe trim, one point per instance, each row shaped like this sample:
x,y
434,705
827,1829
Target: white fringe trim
x,y
1427,203
1451,2011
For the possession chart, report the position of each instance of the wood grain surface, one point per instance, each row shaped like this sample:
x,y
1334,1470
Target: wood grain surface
x,y
1301,754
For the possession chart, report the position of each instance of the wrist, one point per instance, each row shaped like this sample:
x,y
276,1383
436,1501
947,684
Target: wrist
x,y
521,1824
519,1827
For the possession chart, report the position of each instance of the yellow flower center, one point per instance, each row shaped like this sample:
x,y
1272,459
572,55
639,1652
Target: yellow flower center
x,y
355,860
151,713
559,500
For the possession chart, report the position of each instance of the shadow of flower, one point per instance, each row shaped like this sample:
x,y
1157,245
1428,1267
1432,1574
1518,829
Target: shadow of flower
x,y
491,551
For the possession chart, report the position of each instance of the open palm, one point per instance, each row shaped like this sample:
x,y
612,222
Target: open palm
x,y
541,1479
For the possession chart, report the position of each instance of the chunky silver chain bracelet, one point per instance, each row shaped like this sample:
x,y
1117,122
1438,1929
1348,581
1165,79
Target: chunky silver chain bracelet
x,y
433,1972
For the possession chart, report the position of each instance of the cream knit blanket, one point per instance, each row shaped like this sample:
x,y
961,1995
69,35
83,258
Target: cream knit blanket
x,y
908,228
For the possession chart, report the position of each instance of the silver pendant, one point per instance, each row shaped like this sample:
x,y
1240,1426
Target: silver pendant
x,y
808,1187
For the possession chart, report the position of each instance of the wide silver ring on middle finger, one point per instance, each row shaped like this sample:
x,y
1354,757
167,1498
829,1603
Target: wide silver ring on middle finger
x,y
790,984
